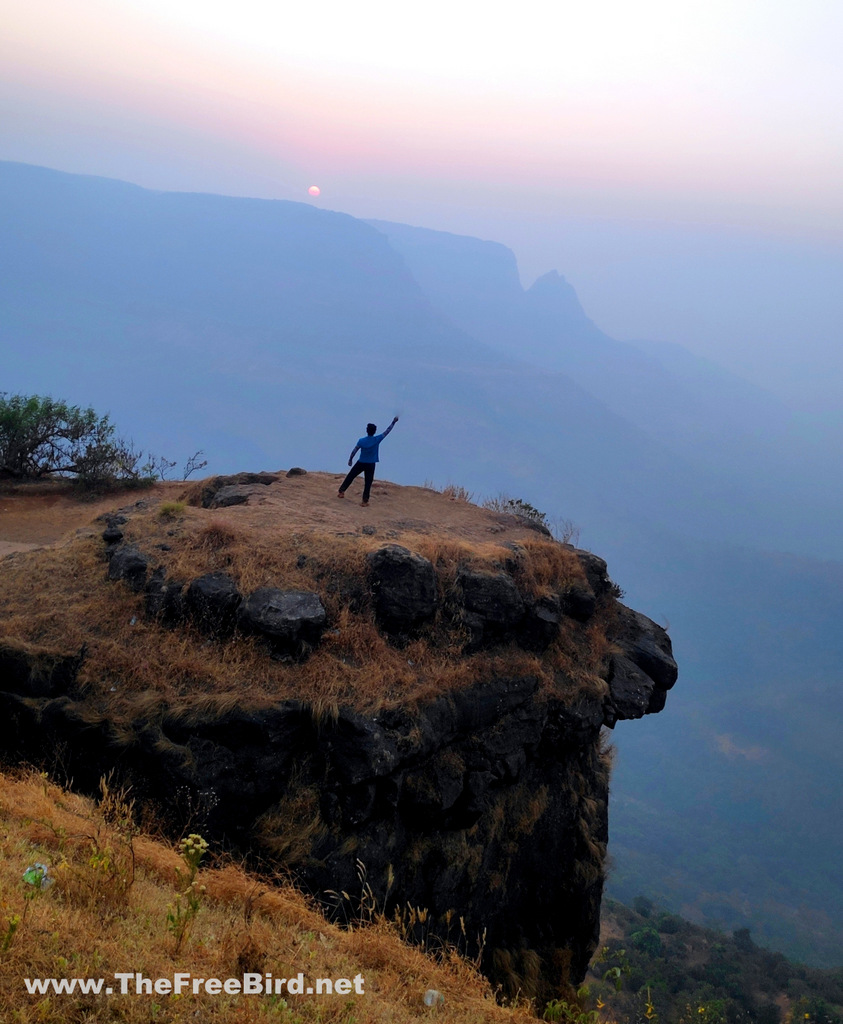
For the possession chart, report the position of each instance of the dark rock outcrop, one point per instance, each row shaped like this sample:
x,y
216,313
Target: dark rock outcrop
x,y
235,494
212,601
287,618
647,645
165,599
596,572
488,800
460,805
404,585
630,691
406,593
578,601
208,490
129,564
578,718
541,622
640,677
491,605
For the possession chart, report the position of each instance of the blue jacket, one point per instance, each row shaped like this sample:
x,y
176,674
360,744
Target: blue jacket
x,y
368,446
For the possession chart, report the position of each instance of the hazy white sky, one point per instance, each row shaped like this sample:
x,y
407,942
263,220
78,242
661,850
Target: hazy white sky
x,y
611,140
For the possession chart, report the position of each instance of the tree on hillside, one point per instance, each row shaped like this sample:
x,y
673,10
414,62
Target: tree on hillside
x,y
40,436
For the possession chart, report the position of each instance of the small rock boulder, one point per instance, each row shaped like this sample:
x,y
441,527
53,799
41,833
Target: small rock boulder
x,y
165,599
288,618
578,602
596,572
212,601
130,565
404,585
235,494
112,534
491,603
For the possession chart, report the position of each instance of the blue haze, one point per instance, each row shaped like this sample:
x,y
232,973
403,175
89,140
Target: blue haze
x,y
268,333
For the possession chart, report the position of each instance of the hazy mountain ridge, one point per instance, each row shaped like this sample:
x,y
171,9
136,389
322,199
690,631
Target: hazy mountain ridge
x,y
476,285
267,333
736,434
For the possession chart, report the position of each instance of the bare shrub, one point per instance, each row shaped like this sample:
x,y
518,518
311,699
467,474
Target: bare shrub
x,y
458,493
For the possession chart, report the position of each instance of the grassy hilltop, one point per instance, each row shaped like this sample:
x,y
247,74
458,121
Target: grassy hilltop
x,y
298,532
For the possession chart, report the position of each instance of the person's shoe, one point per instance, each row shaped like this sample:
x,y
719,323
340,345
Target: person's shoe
x,y
340,494
364,503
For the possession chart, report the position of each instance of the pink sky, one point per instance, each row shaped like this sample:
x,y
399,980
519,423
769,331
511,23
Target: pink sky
x,y
509,123
720,104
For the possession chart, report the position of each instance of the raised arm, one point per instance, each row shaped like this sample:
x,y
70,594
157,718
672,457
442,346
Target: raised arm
x,y
391,425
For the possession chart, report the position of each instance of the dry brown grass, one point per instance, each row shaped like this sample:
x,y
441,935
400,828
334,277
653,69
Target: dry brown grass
x,y
291,828
244,924
548,563
60,599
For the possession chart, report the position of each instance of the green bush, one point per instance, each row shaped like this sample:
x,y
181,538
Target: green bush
x,y
41,436
171,509
669,924
647,940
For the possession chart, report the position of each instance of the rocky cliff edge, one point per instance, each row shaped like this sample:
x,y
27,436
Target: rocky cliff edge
x,y
404,704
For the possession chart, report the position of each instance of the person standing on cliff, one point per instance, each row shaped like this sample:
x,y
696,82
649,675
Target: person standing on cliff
x,y
368,447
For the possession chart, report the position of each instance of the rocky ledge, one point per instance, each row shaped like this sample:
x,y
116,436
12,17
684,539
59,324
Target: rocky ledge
x,y
487,805
486,605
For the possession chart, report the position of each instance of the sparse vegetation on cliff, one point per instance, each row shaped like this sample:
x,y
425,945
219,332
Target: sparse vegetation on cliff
x,y
43,437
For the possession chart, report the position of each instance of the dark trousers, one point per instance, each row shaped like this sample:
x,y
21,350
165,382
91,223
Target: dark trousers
x,y
368,471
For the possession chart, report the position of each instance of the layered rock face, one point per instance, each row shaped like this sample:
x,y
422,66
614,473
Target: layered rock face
x,y
484,806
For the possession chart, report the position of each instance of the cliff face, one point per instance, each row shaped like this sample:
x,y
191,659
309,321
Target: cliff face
x,y
470,797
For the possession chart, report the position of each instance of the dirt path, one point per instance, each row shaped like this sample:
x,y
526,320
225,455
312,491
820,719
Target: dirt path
x,y
39,515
